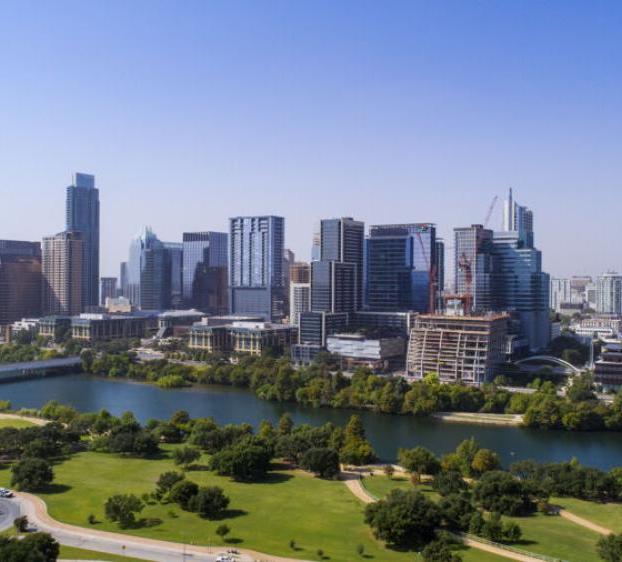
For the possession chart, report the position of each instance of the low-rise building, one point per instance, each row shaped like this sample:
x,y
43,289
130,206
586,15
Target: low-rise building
x,y
598,327
177,323
104,327
380,354
50,326
465,349
245,336
608,369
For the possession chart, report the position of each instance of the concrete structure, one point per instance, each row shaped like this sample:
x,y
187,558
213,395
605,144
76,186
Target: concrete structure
x,y
459,349
395,323
50,326
560,293
108,289
62,270
118,305
82,215
104,327
299,301
177,323
20,280
241,337
400,267
598,327
255,266
609,293
300,272
205,271
10,372
608,369
381,354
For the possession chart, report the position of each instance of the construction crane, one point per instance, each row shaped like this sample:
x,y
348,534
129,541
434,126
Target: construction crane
x,y
431,275
490,210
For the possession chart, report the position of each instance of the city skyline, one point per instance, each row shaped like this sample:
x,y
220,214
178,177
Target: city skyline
x,y
373,115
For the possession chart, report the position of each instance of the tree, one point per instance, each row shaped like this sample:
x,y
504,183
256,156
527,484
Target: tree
x,y
439,551
609,548
185,456
183,492
356,448
418,461
322,461
389,471
457,510
21,524
449,482
209,502
286,424
36,547
403,519
166,481
244,462
466,452
222,530
31,474
485,460
123,508
501,492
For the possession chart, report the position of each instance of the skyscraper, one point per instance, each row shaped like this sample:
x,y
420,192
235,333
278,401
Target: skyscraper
x,y
175,250
20,280
342,240
82,215
517,218
205,274
401,267
256,266
609,293
300,272
299,301
149,272
559,294
108,289
440,272
62,269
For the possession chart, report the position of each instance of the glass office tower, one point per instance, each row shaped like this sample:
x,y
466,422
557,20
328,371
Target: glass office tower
x,y
255,266
20,280
400,267
205,275
82,215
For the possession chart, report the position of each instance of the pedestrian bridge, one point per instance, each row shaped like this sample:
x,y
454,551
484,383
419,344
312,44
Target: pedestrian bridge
x,y
557,364
10,372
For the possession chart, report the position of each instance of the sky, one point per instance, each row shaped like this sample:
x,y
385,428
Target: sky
x,y
189,113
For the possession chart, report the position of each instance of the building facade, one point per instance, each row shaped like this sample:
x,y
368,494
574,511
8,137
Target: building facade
x,y
108,289
82,215
609,293
459,349
20,280
299,301
106,327
559,293
256,266
608,369
205,271
62,271
401,268
379,354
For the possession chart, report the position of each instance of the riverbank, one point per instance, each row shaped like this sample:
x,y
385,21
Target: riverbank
x,y
510,420
24,420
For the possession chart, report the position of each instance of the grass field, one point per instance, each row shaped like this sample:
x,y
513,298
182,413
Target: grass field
x,y
379,486
292,505
608,515
15,423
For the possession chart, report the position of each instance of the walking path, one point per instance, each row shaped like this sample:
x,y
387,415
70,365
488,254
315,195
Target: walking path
x,y
353,481
35,421
128,545
585,522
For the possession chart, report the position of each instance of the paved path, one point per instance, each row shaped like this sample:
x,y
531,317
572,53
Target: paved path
x,y
127,545
353,481
585,522
35,421
9,510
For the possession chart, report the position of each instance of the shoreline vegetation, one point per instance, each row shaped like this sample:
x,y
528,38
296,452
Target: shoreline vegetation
x,y
512,420
280,488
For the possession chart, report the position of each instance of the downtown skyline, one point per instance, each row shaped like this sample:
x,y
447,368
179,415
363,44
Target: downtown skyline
x,y
374,115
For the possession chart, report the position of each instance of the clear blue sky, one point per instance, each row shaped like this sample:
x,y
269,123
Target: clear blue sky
x,y
191,112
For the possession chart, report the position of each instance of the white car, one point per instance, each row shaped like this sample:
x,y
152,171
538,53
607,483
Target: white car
x,y
224,559
4,493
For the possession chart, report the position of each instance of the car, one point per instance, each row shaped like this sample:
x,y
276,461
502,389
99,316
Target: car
x,y
224,559
4,493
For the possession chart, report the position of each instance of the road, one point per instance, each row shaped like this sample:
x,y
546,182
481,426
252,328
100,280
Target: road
x,y
9,510
116,543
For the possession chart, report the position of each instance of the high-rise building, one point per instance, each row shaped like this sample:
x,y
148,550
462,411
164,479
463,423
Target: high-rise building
x,y
205,273
108,289
300,272
473,264
316,243
342,240
20,280
82,215
609,293
333,286
175,250
256,266
62,258
123,280
149,272
559,294
519,219
299,301
288,260
440,273
401,267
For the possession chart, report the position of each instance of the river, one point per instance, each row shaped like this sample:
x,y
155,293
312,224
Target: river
x,y
386,432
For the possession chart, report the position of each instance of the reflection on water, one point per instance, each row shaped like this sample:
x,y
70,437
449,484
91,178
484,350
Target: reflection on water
x,y
386,432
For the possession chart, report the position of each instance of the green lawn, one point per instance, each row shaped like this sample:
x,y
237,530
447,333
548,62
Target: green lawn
x,y
73,553
380,485
557,537
263,516
15,423
608,515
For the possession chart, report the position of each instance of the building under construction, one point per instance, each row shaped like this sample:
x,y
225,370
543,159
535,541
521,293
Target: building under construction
x,y
465,349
